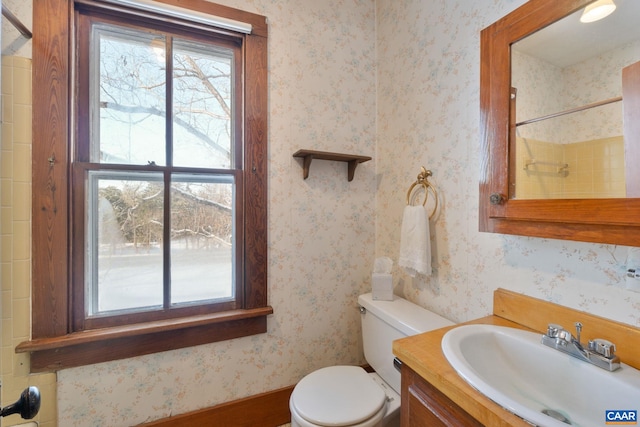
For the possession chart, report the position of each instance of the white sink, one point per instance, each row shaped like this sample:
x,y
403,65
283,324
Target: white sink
x,y
514,369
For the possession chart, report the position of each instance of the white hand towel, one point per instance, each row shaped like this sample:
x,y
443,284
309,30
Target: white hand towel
x,y
415,242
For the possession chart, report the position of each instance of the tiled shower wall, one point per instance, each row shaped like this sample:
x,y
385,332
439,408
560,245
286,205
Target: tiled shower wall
x,y
595,169
15,230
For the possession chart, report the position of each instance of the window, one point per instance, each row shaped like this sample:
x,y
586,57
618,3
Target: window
x,y
149,232
155,173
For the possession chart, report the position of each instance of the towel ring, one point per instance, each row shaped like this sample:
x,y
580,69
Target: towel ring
x,y
423,181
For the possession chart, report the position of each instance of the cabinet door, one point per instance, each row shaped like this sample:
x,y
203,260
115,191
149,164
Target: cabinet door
x,y
425,406
597,220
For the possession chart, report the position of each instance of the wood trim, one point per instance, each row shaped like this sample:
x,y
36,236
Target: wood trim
x,y
255,165
268,409
619,212
487,127
52,358
53,344
511,192
536,314
579,232
50,156
423,405
613,221
135,330
631,111
271,408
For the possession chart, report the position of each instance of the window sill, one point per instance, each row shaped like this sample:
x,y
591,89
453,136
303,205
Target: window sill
x,y
102,345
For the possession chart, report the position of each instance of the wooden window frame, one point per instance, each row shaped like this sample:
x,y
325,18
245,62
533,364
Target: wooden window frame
x,y
54,343
86,19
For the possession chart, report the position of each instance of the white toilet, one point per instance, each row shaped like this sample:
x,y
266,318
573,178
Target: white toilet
x,y
348,395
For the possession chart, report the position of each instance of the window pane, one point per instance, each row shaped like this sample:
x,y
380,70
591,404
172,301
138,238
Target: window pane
x,y
129,96
124,253
202,99
202,238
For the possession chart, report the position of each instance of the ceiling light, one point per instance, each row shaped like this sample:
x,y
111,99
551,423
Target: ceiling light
x,y
597,10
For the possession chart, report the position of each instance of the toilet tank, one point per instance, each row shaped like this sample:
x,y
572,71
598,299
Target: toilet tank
x,y
386,321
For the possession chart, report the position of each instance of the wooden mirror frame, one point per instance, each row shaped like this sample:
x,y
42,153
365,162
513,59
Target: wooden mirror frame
x,y
612,221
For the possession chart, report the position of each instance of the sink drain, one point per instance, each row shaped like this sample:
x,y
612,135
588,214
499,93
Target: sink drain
x,y
556,415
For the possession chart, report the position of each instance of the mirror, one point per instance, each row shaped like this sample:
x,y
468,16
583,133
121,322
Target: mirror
x,y
567,79
596,217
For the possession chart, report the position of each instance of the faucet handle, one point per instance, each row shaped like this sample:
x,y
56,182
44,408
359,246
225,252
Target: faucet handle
x,y
553,330
561,335
603,347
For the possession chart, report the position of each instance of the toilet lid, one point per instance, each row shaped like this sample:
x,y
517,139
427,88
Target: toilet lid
x,y
337,396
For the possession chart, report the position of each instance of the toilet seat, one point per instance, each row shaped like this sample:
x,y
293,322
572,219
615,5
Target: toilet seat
x,y
338,396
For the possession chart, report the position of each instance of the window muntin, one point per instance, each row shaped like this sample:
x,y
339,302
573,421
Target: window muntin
x,y
167,182
57,191
202,239
124,253
128,82
129,75
203,117
124,242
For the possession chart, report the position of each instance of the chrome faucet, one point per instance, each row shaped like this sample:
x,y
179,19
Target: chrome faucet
x,y
598,351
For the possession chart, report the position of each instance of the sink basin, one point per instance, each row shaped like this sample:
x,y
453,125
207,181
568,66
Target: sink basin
x,y
539,384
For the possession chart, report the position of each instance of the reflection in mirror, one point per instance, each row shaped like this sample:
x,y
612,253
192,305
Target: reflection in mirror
x,y
567,133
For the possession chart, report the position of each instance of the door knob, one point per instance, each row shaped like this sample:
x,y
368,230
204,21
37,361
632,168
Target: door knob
x,y
27,405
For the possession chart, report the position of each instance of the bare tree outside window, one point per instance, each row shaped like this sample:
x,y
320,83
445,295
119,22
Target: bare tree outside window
x,y
173,115
149,228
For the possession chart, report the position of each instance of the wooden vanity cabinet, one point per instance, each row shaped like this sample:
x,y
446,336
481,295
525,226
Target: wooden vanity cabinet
x,y
425,406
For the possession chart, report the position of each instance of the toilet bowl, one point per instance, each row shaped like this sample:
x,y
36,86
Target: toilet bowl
x,y
348,395
355,398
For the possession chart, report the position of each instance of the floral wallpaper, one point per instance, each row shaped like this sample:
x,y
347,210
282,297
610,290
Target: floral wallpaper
x,y
539,87
396,80
545,88
322,96
428,114
597,79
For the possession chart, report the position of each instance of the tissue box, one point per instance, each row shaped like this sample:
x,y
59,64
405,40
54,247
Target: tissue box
x,y
382,287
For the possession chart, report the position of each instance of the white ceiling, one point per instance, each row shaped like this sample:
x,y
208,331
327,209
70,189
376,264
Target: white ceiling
x,y
569,41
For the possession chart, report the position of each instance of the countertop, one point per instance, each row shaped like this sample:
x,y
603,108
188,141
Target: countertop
x,y
423,354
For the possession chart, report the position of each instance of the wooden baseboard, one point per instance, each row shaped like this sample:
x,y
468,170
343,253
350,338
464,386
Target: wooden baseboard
x,y
270,409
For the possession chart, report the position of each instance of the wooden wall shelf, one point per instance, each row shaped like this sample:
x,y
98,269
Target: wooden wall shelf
x,y
308,155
